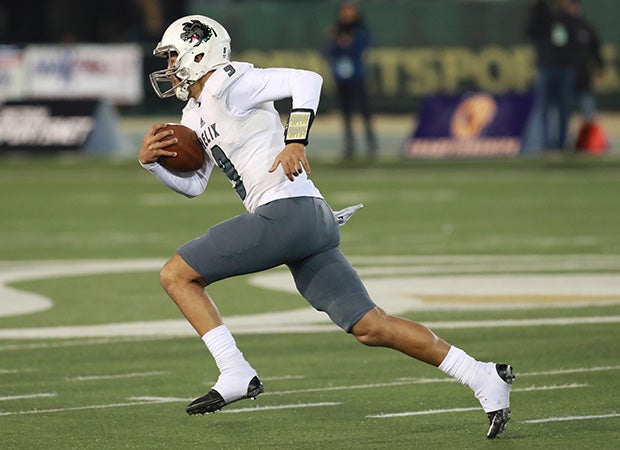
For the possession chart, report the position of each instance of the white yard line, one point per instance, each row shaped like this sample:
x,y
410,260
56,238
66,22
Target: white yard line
x,y
75,408
566,371
276,407
81,342
549,387
458,410
27,396
572,418
284,377
159,399
12,371
362,386
550,321
116,376
420,413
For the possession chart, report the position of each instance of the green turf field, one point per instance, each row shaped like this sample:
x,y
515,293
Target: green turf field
x,y
515,261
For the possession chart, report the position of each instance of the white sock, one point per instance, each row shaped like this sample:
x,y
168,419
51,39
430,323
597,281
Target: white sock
x,y
235,371
480,377
459,365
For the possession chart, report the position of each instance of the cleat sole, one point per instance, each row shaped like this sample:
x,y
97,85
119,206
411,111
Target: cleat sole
x,y
497,422
213,401
498,419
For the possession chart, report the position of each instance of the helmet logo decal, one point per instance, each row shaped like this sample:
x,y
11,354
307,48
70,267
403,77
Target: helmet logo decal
x,y
196,32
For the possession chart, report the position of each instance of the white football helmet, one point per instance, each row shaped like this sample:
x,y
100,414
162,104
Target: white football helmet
x,y
189,37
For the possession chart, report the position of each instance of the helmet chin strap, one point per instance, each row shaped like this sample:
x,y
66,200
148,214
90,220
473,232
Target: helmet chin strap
x,y
182,92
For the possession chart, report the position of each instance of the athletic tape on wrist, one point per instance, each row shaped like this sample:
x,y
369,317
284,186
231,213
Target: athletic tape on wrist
x,y
298,126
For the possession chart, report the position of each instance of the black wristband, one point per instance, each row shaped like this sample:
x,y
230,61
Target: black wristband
x,y
298,125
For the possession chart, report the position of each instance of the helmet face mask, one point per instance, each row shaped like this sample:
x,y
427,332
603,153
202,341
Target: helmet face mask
x,y
172,80
201,44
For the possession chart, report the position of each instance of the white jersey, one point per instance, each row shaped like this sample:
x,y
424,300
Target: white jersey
x,y
241,132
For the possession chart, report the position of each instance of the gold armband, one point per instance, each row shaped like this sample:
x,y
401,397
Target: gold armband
x,y
298,126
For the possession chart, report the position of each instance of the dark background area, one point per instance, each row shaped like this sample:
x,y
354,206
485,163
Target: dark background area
x,y
262,30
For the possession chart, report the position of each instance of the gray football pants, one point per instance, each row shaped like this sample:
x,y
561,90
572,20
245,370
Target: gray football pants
x,y
300,232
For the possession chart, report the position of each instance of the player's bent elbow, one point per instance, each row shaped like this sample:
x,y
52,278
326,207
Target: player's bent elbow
x,y
317,79
191,191
190,194
308,78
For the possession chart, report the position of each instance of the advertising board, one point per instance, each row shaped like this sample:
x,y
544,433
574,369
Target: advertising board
x,y
469,125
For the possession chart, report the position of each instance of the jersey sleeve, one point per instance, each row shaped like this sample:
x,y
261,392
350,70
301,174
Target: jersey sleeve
x,y
190,184
259,86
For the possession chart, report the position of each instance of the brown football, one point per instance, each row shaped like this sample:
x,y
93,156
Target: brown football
x,y
190,154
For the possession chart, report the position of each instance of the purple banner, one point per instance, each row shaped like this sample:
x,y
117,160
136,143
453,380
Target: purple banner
x,y
469,125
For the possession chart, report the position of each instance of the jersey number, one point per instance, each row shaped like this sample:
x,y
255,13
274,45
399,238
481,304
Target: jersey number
x,y
227,166
230,70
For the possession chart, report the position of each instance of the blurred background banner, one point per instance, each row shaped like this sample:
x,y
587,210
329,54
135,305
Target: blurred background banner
x,y
111,72
469,125
44,126
12,79
419,47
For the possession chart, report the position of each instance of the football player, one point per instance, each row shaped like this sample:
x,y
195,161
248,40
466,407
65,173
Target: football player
x,y
230,106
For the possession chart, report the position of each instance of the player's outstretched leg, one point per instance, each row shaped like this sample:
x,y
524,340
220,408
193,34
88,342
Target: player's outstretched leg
x,y
490,382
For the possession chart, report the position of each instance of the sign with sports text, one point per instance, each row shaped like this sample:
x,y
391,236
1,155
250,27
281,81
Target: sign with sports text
x,y
469,125
110,72
44,126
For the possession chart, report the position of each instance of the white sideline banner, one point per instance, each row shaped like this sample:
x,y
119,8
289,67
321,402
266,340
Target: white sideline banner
x,y
104,71
12,80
